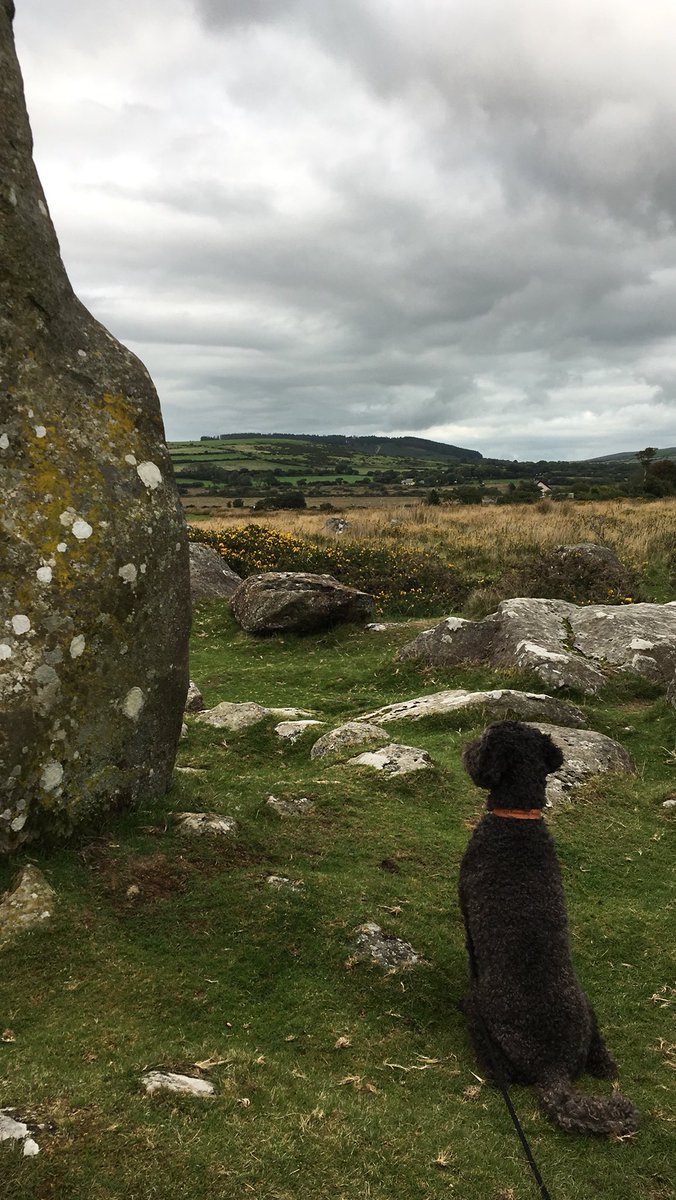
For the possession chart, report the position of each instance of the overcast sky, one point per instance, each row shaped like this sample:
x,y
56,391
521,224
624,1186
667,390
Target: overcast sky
x,y
453,218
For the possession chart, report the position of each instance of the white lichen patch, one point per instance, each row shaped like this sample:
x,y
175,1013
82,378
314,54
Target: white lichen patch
x,y
66,518
12,197
4,441
77,646
82,529
44,574
149,474
40,431
128,572
20,624
62,547
82,353
43,208
131,459
5,651
133,703
52,774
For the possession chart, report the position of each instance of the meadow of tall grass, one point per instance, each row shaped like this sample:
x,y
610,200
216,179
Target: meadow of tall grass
x,y
476,546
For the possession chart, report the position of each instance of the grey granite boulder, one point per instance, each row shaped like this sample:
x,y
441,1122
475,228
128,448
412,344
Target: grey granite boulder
x,y
564,644
297,602
94,588
291,731
498,704
210,576
585,754
346,737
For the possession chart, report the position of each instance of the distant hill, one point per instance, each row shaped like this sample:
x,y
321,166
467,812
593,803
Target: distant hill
x,y
630,455
389,447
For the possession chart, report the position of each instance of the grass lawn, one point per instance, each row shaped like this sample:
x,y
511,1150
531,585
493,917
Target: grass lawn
x,y
333,1079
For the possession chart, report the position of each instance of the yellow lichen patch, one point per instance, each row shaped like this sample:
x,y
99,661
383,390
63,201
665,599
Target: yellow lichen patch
x,y
119,409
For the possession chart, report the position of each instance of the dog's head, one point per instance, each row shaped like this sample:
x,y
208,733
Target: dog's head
x,y
513,759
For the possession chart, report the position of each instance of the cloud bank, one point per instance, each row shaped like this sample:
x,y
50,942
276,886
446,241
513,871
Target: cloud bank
x,y
453,219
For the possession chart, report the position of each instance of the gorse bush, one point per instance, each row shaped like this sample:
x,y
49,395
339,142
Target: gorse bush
x,y
403,582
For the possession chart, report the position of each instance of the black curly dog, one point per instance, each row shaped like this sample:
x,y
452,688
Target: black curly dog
x,y
528,1017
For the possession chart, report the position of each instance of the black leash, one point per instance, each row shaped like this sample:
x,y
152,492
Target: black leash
x,y
502,1086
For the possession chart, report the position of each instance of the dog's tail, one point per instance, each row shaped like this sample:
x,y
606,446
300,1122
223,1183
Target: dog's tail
x,y
577,1112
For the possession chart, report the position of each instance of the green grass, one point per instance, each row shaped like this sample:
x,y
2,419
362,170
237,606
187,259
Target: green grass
x,y
209,962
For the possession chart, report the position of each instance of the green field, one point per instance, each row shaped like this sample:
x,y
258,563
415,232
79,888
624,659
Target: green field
x,y
333,1078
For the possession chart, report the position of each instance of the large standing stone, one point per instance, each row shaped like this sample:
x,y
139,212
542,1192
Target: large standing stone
x,y
94,588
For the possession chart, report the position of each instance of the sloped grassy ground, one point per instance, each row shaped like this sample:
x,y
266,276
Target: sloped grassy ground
x,y
209,963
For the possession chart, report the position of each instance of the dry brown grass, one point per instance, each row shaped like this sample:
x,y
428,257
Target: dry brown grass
x,y
638,532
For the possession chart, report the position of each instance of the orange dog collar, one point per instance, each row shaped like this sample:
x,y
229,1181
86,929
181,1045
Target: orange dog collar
x,y
521,814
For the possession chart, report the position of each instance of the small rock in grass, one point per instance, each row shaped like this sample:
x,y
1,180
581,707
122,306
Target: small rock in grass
x,y
28,905
394,759
352,733
291,731
671,803
385,949
282,881
194,701
13,1130
290,808
227,715
187,1085
214,823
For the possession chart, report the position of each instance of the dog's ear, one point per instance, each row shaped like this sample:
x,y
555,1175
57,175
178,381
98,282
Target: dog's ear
x,y
552,755
485,760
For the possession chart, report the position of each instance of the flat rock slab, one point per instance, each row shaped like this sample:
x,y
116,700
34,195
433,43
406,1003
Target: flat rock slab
x,y
346,737
30,903
12,1129
585,753
210,576
297,602
564,644
290,808
503,702
235,717
393,759
384,948
291,731
205,823
168,1081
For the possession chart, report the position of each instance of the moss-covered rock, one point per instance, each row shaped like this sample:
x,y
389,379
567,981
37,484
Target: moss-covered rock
x,y
94,588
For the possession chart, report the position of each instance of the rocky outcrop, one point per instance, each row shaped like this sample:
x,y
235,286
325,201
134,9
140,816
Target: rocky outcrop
x,y
498,705
296,602
565,645
585,754
94,600
210,576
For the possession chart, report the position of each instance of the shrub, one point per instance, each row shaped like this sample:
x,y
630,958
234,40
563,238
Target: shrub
x,y
403,582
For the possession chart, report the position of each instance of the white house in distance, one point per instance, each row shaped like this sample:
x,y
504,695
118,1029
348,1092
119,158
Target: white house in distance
x,y
544,490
